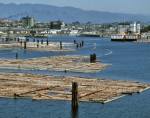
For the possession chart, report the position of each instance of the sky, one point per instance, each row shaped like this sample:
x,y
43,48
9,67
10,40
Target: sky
x,y
115,6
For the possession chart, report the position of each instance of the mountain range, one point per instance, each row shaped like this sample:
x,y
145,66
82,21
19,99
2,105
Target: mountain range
x,y
47,13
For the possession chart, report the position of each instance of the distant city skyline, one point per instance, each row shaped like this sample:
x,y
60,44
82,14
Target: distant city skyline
x,y
116,6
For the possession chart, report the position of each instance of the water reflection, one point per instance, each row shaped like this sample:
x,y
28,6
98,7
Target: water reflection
x,y
74,112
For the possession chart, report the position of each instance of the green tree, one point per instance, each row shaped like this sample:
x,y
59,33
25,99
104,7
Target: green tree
x,y
145,29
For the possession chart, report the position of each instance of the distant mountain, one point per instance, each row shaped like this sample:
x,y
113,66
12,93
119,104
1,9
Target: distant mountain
x,y
46,13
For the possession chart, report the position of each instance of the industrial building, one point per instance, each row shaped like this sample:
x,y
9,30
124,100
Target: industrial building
x,y
27,22
56,24
129,27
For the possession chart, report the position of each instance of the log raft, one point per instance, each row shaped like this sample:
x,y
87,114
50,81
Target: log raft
x,y
55,63
50,87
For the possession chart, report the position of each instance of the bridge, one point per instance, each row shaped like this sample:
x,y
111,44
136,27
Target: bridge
x,y
8,29
20,29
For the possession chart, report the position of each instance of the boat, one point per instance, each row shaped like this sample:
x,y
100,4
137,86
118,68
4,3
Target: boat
x,y
88,34
40,36
125,37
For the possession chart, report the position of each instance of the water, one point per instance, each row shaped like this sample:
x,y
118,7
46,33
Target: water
x,y
130,61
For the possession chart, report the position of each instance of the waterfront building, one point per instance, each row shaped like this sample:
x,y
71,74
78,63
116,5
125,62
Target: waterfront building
x,y
28,22
2,21
129,27
77,23
56,25
73,32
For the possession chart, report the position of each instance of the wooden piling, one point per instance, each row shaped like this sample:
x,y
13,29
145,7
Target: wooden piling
x,y
47,41
91,58
82,43
74,94
60,45
21,42
77,46
75,112
37,45
94,57
24,44
74,41
6,39
37,41
18,39
16,55
42,41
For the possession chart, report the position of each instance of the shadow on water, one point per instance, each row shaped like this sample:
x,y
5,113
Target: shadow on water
x,y
74,112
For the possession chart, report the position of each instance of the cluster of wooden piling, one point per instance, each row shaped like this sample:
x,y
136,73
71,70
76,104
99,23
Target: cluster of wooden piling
x,y
50,87
78,44
37,46
92,58
14,39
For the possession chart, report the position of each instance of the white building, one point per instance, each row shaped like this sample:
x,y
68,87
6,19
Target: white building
x,y
129,27
54,31
74,32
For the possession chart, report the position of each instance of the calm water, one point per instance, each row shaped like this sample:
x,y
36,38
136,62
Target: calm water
x,y
130,61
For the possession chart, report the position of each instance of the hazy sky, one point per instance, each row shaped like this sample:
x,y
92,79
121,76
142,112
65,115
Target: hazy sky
x,y
123,6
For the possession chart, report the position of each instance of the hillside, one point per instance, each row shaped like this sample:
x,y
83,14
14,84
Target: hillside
x,y
46,13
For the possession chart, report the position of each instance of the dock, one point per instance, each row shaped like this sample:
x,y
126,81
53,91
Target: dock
x,y
143,41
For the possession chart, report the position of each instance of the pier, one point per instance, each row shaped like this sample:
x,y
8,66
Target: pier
x,y
8,29
143,41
